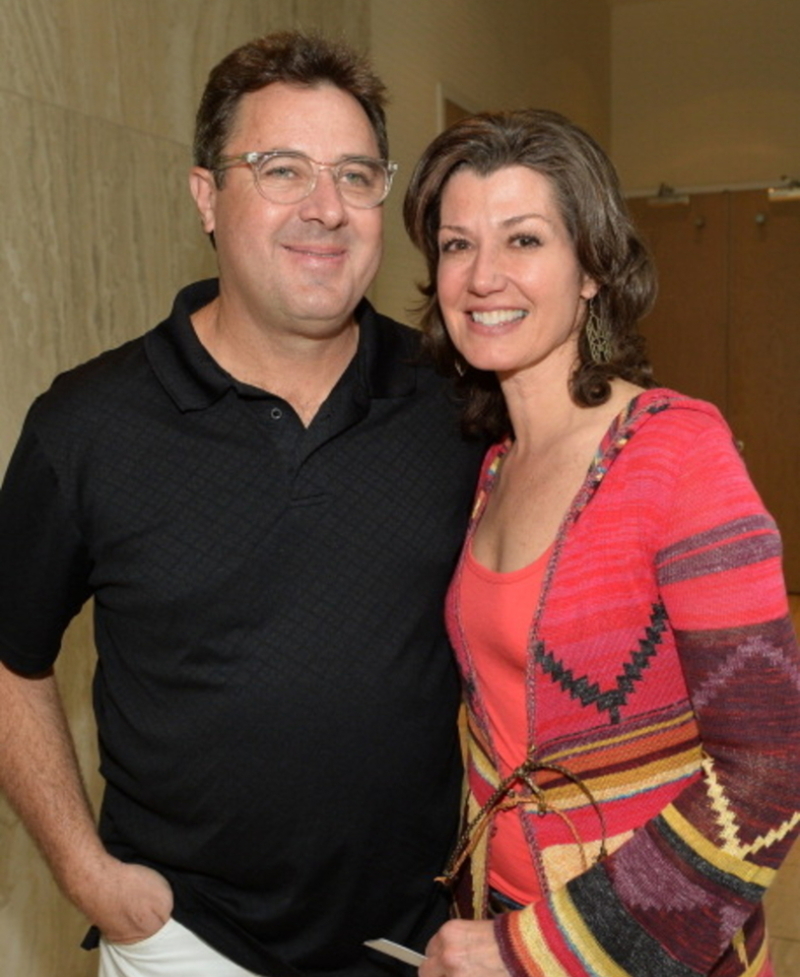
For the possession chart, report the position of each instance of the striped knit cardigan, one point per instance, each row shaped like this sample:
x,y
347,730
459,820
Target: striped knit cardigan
x,y
663,702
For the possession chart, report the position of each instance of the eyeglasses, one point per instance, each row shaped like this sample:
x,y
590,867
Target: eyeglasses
x,y
285,177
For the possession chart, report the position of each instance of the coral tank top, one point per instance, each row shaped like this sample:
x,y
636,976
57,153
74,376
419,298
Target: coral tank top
x,y
496,620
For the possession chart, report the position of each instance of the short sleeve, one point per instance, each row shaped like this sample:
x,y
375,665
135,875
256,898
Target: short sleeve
x,y
44,565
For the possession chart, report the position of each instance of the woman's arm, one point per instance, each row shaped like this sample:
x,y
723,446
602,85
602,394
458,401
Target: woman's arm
x,y
674,897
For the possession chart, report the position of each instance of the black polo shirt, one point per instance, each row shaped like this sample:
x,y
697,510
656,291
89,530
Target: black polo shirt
x,y
275,694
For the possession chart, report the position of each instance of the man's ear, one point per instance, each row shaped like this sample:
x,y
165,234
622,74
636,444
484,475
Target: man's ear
x,y
204,191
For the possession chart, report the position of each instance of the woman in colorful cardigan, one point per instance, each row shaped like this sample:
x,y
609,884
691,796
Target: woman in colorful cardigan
x,y
631,676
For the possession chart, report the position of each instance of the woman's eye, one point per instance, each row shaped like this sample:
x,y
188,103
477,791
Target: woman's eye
x,y
453,244
526,241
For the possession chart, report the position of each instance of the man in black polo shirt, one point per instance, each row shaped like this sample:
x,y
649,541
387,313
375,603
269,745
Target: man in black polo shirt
x,y
265,496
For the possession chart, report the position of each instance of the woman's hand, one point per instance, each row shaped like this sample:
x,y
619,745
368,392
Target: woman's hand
x,y
463,948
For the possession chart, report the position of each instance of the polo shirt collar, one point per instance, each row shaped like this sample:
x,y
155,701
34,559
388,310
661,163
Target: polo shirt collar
x,y
384,363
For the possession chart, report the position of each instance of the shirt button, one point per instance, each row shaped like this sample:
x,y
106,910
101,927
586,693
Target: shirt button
x,y
276,413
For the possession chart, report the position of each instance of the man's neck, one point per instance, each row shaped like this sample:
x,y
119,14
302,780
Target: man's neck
x,y
300,369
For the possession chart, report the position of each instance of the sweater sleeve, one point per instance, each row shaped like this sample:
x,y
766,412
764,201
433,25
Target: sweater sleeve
x,y
673,899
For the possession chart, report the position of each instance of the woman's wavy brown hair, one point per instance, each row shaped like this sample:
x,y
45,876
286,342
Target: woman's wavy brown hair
x,y
606,243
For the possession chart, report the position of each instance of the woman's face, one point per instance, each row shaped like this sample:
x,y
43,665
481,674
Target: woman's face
x,y
510,287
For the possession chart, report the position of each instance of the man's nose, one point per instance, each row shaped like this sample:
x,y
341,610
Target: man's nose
x,y
324,203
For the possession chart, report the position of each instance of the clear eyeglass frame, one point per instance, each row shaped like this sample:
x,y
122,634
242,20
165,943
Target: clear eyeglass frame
x,y
287,177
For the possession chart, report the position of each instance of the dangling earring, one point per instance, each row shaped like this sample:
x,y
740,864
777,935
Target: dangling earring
x,y
460,368
597,336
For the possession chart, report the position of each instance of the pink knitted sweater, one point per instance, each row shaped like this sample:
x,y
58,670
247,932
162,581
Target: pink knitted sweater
x,y
663,714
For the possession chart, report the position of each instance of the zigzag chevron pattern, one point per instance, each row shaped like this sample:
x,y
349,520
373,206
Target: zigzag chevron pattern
x,y
728,822
589,692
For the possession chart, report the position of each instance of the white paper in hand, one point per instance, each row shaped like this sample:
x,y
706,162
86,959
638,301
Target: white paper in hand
x,y
396,950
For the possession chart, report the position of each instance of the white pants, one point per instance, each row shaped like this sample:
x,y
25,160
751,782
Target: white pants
x,y
173,951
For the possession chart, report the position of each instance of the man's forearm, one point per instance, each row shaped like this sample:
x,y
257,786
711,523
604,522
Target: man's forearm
x,y
39,774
